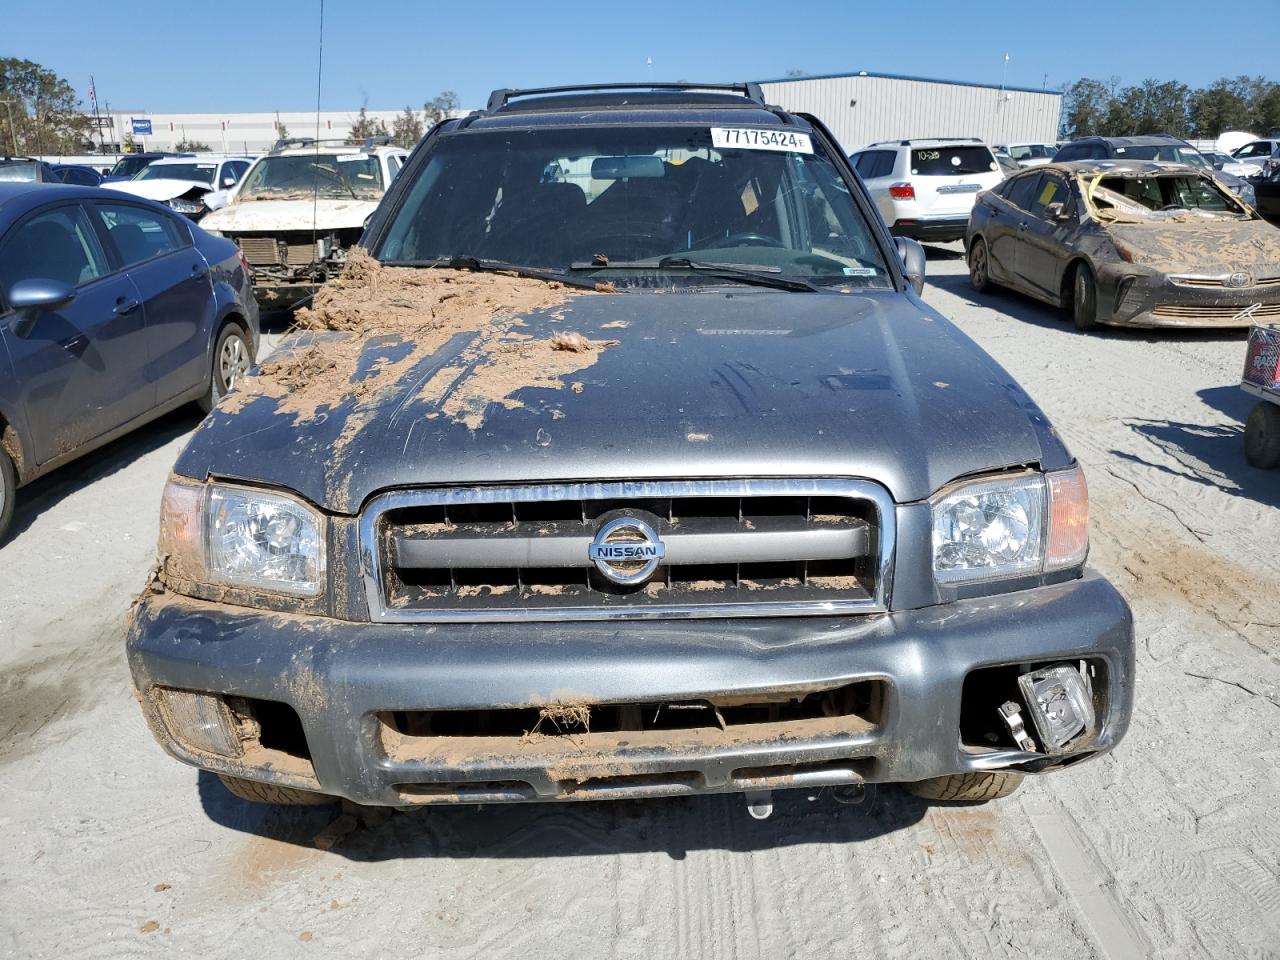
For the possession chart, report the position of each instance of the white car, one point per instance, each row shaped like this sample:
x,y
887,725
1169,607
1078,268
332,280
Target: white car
x,y
1255,156
1030,154
300,208
186,184
924,189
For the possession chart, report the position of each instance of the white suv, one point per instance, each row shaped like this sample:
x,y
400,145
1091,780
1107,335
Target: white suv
x,y
925,189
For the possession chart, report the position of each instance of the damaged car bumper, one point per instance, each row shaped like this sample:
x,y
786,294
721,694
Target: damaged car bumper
x,y
405,714
1141,299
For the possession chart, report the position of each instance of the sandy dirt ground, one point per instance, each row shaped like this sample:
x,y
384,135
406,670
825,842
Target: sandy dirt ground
x,y
1168,848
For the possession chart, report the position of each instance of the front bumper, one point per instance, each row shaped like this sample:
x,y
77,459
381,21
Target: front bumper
x,y
1157,301
341,677
938,228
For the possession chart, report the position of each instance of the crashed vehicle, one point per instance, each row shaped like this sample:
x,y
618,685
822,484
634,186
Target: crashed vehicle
x,y
184,184
300,209
626,462
1127,243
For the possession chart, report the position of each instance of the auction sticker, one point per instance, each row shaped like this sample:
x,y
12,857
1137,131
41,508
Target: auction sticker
x,y
749,138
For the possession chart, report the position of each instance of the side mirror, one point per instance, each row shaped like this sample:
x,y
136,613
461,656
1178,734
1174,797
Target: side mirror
x,y
228,181
1055,211
913,261
29,298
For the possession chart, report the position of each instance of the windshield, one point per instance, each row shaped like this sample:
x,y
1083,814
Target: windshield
x,y
1031,151
612,202
128,166
1162,197
349,176
19,171
1172,153
195,172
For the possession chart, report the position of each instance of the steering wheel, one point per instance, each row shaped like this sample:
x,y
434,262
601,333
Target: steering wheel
x,y
1173,206
745,240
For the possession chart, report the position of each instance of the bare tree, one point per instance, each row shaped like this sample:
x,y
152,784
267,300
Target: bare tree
x,y
366,127
407,129
440,107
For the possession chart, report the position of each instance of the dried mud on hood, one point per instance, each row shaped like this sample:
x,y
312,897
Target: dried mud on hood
x,y
1203,246
402,316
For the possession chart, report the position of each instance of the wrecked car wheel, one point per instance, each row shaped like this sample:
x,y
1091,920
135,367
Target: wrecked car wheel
x,y
1261,439
1084,299
972,787
979,275
231,361
256,792
8,493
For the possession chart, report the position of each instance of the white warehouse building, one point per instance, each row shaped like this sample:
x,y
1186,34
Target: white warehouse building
x,y
863,107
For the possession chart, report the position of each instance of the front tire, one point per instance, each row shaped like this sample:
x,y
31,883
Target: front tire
x,y
8,493
968,787
256,792
1261,438
231,360
979,266
1084,299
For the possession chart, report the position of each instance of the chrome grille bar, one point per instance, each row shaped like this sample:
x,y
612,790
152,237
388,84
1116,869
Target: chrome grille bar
x,y
451,546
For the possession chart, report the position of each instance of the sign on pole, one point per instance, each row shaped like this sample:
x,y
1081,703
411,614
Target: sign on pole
x,y
141,128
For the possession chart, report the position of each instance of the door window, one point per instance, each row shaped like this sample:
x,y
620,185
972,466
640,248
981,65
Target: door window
x,y
57,244
140,234
1022,191
1050,190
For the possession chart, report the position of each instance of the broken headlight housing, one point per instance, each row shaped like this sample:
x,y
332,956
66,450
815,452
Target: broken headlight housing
x,y
242,537
1004,527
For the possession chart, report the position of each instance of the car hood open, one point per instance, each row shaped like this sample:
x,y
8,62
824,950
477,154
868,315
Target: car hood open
x,y
159,189
246,216
710,384
1203,246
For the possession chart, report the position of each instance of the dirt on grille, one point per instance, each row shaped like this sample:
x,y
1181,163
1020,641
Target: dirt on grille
x,y
375,324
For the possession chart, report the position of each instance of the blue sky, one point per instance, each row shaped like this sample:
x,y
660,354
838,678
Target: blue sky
x,y
232,55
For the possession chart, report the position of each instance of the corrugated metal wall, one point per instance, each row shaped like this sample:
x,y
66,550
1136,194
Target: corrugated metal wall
x,y
862,109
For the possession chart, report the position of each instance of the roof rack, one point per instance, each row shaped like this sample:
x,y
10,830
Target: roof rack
x,y
499,98
287,142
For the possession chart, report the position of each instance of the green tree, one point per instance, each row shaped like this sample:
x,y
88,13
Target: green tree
x,y
1156,107
407,129
1084,108
45,111
191,146
366,127
1217,108
440,107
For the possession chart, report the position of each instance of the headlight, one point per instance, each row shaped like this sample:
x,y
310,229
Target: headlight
x,y
242,537
1006,527
186,206
212,233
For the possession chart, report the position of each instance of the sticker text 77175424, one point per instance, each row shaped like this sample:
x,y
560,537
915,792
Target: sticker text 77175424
x,y
751,138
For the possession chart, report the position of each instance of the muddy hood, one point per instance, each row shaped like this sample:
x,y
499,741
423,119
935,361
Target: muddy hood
x,y
701,385
1202,247
243,216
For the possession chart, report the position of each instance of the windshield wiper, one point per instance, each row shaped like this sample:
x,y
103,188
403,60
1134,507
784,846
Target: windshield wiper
x,y
495,266
760,276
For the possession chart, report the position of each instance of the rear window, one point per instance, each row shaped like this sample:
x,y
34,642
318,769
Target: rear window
x,y
952,161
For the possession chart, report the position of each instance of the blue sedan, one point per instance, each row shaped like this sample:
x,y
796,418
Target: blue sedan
x,y
113,311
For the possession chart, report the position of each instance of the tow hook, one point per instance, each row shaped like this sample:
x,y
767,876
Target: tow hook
x,y
759,804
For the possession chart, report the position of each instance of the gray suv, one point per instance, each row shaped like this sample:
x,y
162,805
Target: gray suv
x,y
628,462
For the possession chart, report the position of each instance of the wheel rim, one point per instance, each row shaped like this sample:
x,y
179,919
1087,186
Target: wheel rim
x,y
233,362
978,266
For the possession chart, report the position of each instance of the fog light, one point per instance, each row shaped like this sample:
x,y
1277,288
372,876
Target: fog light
x,y
1060,703
200,721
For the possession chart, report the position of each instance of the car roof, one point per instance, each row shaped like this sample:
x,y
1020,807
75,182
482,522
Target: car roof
x,y
1142,140
1116,166
16,198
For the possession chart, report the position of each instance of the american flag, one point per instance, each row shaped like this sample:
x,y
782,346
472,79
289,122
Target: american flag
x,y
93,96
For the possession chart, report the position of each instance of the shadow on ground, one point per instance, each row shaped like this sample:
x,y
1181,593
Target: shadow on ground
x,y
54,487
1209,454
516,831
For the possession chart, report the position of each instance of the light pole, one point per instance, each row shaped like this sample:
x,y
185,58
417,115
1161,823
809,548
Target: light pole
x,y
13,131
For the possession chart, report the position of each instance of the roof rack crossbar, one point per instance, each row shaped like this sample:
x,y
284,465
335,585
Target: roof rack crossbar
x,y
499,98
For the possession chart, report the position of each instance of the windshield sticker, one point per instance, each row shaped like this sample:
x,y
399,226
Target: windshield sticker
x,y
747,138
859,271
349,157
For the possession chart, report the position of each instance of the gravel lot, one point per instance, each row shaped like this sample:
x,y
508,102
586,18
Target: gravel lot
x,y
1169,847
